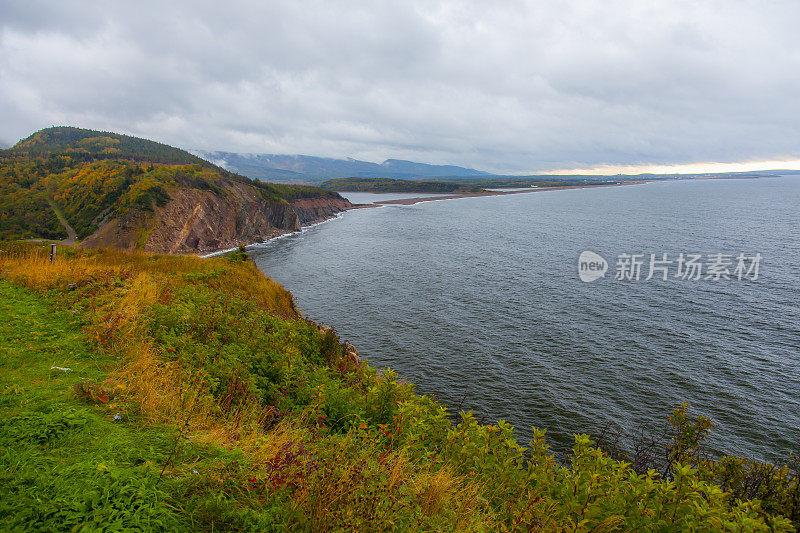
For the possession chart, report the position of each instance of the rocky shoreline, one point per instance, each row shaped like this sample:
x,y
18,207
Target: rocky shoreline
x,y
310,212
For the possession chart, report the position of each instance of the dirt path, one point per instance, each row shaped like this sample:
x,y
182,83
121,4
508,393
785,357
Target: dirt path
x,y
72,236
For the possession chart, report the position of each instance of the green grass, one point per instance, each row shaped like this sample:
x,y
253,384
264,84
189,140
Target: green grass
x,y
66,464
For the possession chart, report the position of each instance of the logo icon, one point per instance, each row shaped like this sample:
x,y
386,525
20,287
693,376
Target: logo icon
x,y
591,266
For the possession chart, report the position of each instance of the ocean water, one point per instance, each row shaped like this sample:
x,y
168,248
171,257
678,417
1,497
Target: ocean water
x,y
478,302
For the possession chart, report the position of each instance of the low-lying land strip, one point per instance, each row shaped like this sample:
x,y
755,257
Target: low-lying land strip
x,y
397,185
412,201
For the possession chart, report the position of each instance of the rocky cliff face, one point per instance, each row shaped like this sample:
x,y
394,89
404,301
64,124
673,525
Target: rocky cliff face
x,y
203,221
313,210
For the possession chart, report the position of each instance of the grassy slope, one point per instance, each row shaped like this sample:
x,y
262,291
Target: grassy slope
x,y
72,464
65,463
280,424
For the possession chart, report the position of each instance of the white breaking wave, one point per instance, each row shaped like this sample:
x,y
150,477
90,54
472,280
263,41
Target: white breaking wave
x,y
281,236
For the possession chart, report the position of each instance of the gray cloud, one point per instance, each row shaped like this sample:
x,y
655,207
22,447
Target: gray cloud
x,y
507,85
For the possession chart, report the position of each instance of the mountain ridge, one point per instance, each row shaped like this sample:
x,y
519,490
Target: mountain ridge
x,y
297,167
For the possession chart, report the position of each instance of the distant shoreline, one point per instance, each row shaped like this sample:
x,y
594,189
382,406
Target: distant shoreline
x,y
419,199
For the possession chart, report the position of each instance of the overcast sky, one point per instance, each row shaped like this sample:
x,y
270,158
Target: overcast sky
x,y
503,86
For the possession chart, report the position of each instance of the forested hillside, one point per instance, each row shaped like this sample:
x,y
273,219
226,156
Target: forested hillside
x,y
93,178
90,145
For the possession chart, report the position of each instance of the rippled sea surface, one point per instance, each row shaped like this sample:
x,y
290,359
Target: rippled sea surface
x,y
478,302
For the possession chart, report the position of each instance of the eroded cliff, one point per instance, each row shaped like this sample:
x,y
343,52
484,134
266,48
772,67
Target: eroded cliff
x,y
313,210
203,221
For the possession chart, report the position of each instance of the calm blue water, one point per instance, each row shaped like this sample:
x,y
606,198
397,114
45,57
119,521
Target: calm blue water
x,y
478,302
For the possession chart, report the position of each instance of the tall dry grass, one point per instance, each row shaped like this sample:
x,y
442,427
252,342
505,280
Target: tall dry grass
x,y
29,264
124,286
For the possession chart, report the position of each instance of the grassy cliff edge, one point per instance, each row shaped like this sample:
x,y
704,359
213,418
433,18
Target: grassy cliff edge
x,y
197,397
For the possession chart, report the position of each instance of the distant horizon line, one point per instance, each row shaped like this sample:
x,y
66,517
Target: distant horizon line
x,y
683,168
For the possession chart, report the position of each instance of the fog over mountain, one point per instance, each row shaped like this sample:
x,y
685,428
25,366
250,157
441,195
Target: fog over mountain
x,y
511,86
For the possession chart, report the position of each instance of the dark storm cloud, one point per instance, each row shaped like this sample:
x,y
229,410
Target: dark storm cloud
x,y
503,85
